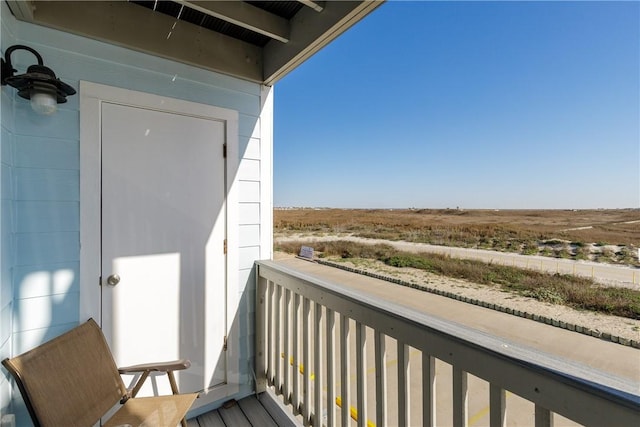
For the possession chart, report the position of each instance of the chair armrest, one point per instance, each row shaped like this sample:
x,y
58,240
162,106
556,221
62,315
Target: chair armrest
x,y
174,365
146,368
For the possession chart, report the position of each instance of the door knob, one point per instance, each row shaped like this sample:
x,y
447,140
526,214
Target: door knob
x,y
113,280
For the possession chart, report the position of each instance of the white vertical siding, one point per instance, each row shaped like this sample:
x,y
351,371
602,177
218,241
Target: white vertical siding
x,y
7,37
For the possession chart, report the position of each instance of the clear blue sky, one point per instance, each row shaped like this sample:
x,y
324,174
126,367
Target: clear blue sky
x,y
470,104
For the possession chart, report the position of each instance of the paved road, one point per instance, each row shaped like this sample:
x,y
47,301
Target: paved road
x,y
592,353
613,275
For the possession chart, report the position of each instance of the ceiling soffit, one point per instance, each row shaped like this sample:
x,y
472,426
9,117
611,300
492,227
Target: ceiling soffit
x,y
259,41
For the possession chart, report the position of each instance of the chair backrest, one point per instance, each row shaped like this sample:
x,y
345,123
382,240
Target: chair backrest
x,y
71,380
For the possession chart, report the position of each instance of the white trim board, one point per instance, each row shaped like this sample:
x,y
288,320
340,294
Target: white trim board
x,y
266,172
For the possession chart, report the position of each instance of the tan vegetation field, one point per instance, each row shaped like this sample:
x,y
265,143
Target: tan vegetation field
x,y
607,235
599,235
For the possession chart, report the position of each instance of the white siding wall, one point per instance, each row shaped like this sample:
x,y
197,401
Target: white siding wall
x,y
39,295
7,224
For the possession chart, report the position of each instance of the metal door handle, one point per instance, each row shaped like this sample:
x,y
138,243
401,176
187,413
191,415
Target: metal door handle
x,y
113,280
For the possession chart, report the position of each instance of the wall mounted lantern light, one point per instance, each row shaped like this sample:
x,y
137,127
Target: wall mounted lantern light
x,y
39,83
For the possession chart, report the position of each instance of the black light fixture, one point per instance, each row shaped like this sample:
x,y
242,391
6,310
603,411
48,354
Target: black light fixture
x,y
39,83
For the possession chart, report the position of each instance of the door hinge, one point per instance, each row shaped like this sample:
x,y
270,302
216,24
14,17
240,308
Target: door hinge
x,y
225,246
100,281
224,345
224,150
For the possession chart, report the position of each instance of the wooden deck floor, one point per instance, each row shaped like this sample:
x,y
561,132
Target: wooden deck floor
x,y
252,411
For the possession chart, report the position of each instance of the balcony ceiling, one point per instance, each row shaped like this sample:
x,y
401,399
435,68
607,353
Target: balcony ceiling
x,y
259,41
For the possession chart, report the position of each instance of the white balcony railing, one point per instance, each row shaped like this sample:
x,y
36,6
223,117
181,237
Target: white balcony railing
x,y
306,352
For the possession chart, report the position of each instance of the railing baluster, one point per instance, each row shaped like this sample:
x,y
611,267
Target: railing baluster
x,y
497,405
296,356
381,379
344,368
544,417
317,366
404,400
287,347
278,338
270,334
261,334
361,374
306,366
428,390
331,357
460,397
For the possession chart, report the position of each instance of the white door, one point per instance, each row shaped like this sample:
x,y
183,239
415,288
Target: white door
x,y
163,233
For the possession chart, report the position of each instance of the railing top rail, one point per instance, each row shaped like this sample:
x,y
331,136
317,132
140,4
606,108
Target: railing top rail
x,y
455,343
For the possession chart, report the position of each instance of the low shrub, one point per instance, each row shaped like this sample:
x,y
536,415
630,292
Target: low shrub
x,y
582,253
562,253
544,295
553,242
530,248
546,251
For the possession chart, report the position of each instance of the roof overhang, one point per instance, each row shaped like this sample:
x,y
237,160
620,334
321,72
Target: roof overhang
x,y
253,40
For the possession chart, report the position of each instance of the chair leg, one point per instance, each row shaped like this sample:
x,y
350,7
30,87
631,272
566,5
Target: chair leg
x,y
172,381
174,389
138,385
